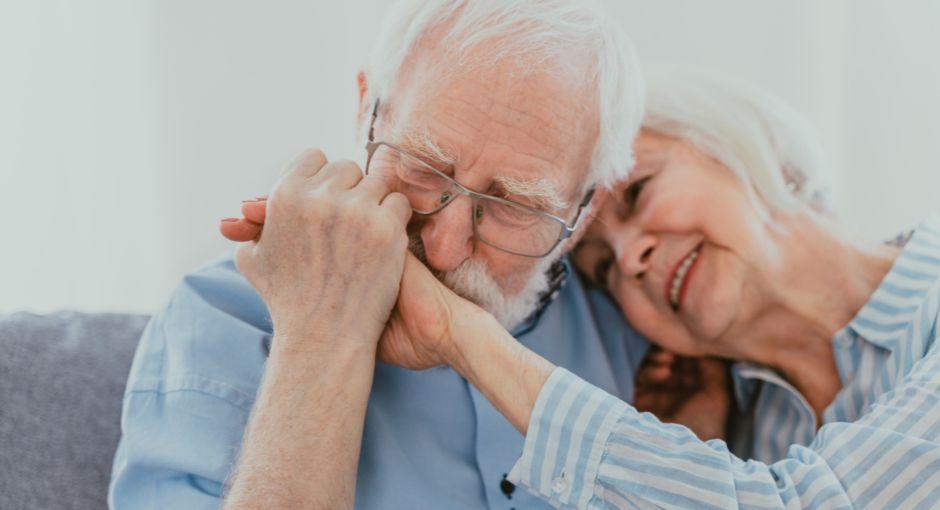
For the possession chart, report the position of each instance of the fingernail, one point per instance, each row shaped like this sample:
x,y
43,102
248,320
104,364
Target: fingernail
x,y
229,220
250,200
261,197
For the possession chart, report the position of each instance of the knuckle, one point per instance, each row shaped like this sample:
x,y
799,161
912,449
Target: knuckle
x,y
316,196
346,165
313,156
396,198
343,167
284,191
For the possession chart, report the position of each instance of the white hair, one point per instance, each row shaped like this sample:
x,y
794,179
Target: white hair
x,y
759,137
567,34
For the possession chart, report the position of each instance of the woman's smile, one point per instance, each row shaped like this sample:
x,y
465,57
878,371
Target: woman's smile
x,y
677,286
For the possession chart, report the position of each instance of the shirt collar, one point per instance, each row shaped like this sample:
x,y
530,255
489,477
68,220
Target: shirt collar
x,y
892,306
746,378
558,276
887,311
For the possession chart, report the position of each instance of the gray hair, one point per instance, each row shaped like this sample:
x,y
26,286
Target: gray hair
x,y
759,137
563,33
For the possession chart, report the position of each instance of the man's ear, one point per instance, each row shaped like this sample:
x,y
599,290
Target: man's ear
x,y
363,84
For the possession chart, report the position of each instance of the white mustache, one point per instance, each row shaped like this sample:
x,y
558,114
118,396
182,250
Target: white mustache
x,y
472,281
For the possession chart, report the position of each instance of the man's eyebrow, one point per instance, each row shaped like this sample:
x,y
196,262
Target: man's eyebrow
x,y
541,193
419,143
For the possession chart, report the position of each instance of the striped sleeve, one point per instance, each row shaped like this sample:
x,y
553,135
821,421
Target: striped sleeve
x,y
587,449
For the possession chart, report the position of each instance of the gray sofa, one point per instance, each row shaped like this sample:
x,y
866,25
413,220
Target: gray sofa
x,y
61,381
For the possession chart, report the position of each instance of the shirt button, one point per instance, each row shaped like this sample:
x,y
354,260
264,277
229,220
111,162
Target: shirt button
x,y
559,484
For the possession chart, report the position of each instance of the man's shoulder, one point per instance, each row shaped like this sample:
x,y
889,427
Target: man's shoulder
x,y
210,338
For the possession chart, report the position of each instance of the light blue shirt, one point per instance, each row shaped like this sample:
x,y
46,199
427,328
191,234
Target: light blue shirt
x,y
430,440
878,446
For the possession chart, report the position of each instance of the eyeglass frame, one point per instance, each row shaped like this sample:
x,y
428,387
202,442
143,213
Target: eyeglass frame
x,y
475,197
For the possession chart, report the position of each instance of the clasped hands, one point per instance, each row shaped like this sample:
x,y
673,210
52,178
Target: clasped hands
x,y
332,261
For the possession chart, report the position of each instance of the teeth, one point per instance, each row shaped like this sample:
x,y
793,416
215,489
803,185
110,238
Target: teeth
x,y
680,276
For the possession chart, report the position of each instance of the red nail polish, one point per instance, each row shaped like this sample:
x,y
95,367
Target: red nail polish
x,y
229,220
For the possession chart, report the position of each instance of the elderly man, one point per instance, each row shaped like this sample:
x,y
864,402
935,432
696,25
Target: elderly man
x,y
490,123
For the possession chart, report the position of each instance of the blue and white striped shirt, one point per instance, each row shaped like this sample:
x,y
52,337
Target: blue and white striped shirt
x,y
878,447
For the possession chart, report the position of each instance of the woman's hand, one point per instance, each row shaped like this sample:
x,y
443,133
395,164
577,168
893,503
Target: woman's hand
x,y
425,322
689,391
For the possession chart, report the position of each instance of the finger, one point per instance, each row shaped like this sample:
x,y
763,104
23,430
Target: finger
x,y
713,366
375,186
340,175
239,229
686,373
714,372
661,356
307,164
658,374
398,205
255,211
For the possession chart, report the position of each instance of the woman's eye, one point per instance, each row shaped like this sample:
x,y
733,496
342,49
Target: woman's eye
x,y
631,195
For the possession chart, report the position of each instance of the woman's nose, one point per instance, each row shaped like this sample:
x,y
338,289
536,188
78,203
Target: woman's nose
x,y
636,254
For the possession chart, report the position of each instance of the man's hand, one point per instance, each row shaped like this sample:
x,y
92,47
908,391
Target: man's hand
x,y
330,257
328,263
427,314
690,391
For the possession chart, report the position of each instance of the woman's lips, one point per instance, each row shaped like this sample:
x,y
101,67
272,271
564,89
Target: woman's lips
x,y
677,283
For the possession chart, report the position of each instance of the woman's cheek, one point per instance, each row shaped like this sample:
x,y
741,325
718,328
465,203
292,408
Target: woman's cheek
x,y
673,212
716,298
662,328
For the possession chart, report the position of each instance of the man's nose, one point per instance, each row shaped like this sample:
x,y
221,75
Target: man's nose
x,y
448,235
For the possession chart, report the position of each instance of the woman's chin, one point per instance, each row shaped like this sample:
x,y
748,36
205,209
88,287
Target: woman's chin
x,y
706,319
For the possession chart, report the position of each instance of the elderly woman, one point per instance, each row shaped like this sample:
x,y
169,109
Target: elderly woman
x,y
719,245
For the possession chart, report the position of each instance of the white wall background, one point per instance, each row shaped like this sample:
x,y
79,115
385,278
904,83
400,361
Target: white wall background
x,y
129,127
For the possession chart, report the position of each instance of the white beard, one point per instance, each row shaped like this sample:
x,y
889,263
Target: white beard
x,y
472,281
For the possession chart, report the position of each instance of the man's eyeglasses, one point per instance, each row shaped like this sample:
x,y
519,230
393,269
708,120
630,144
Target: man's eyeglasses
x,y
503,224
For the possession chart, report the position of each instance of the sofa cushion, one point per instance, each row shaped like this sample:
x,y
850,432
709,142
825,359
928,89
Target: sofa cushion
x,y
61,381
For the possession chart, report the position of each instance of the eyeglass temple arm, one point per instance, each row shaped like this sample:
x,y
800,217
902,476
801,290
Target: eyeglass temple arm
x,y
375,114
584,203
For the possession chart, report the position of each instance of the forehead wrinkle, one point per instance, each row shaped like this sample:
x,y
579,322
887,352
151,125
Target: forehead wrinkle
x,y
555,129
